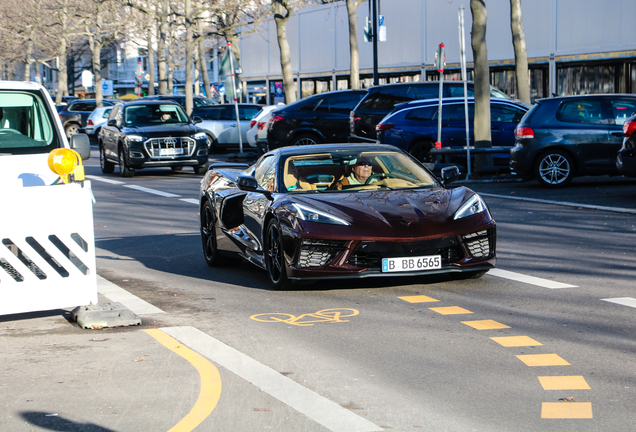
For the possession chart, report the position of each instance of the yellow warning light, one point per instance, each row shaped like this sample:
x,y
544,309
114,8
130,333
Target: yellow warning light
x,y
67,164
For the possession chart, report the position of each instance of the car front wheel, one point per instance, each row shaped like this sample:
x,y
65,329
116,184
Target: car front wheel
x,y
275,257
124,168
106,166
554,168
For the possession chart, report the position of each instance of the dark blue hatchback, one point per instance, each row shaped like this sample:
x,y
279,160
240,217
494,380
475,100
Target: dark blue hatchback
x,y
412,126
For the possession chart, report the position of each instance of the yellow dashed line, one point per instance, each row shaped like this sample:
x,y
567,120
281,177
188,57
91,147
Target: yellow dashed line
x,y
516,341
566,410
418,299
485,325
210,382
450,310
576,382
543,360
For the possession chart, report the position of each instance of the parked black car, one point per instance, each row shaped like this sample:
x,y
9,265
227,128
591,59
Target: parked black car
x,y
197,101
144,134
412,126
321,118
75,114
380,100
563,137
626,159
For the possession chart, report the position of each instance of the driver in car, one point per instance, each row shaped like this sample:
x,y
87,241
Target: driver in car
x,y
361,171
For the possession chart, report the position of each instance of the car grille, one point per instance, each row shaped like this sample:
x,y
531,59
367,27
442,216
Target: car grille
x,y
162,147
481,244
319,253
369,254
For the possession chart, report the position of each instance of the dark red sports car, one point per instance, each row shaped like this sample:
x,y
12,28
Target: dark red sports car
x,y
343,211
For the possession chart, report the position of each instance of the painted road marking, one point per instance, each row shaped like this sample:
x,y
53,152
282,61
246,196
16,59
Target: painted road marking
x,y
567,204
105,180
319,409
153,191
485,325
132,302
545,283
542,360
326,315
576,382
516,341
190,200
418,299
450,310
566,410
625,301
210,382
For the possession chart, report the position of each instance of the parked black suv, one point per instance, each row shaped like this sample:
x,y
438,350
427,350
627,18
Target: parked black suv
x,y
75,114
380,100
563,137
321,118
145,134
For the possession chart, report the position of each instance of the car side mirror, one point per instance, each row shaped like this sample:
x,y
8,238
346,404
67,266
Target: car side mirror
x,y
196,120
249,184
449,174
81,144
112,122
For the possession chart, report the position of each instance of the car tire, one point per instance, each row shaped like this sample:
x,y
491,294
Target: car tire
x,y
71,129
124,167
106,166
554,168
208,238
421,151
275,256
213,144
200,169
306,139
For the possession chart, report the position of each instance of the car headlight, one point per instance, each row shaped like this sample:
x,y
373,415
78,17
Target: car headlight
x,y
134,138
474,205
199,136
313,215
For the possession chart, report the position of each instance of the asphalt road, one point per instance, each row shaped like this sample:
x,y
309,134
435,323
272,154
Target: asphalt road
x,y
522,349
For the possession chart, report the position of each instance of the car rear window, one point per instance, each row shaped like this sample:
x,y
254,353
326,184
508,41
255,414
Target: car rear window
x,y
622,109
248,113
589,111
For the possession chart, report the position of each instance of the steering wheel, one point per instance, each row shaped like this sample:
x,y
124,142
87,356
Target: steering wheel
x,y
9,130
379,176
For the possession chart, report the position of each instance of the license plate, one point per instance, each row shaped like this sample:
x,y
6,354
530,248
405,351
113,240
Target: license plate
x,y
430,262
170,151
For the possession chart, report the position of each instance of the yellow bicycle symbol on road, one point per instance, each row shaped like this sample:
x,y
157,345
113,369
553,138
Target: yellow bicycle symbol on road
x,y
325,315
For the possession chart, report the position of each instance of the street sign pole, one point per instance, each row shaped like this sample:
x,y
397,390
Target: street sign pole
x,y
462,52
440,68
376,81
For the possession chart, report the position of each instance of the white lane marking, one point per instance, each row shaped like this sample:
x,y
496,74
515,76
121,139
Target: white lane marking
x,y
568,204
105,180
321,410
190,200
120,295
625,301
152,191
545,283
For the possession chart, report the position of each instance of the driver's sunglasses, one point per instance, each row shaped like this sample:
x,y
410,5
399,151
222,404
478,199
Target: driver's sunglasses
x,y
363,163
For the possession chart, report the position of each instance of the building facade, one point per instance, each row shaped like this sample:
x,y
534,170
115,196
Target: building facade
x,y
573,46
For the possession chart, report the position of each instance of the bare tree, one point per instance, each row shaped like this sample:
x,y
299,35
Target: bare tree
x,y
354,74
282,12
482,83
521,56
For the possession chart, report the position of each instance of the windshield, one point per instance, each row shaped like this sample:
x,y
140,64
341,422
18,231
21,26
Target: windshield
x,y
155,115
367,170
25,124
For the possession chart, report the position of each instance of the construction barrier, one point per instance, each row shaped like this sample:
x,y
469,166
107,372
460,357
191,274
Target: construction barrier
x,y
47,255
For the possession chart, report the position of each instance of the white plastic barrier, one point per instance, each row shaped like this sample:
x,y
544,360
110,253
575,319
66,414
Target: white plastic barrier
x,y
47,255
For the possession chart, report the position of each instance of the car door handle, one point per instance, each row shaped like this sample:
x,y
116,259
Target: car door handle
x,y
618,134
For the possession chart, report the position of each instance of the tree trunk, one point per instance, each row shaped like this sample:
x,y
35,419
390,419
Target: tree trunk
x,y
482,83
354,75
521,56
62,76
203,60
96,52
161,50
151,64
281,16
